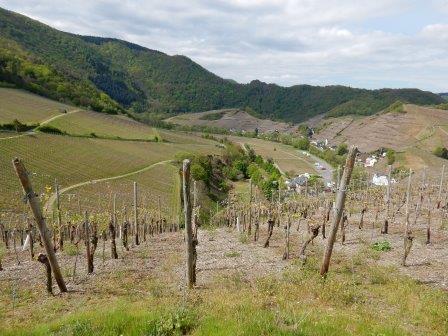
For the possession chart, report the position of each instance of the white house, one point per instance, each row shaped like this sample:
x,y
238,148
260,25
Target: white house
x,y
370,161
381,180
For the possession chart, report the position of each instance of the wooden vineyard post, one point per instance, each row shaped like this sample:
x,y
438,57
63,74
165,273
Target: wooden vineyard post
x,y
195,209
439,198
58,209
189,239
87,243
112,231
408,238
340,202
36,208
385,228
160,215
249,227
137,242
287,233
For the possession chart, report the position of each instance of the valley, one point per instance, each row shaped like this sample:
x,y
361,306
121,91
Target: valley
x,y
142,194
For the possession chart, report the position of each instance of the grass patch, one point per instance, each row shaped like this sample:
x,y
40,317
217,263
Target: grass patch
x,y
368,300
232,254
71,249
243,238
382,246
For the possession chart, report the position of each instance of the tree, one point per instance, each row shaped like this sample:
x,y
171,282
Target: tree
x,y
342,149
390,156
198,172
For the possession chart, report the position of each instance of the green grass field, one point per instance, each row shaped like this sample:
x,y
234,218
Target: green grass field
x,y
27,107
103,125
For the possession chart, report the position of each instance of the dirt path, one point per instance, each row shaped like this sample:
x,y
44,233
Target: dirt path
x,y
52,198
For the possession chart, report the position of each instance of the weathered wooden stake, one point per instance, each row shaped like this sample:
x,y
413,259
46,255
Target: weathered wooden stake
x,y
112,229
408,237
58,209
287,232
249,227
189,238
195,210
340,202
36,208
87,243
439,198
137,242
385,228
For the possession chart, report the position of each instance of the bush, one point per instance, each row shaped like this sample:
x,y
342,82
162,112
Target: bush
x,y
302,144
50,129
441,152
198,172
342,149
17,126
390,156
383,246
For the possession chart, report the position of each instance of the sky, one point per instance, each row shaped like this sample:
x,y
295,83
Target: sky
x,y
359,43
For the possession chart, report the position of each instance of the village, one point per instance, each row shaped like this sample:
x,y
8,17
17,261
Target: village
x,y
304,183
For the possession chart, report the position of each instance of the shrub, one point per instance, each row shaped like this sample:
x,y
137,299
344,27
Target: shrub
x,y
441,152
50,129
342,149
383,246
390,156
17,126
198,172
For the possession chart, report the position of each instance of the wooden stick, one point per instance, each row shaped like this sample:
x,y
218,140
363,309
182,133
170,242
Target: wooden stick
x,y
36,208
340,202
87,243
189,239
58,209
385,228
137,242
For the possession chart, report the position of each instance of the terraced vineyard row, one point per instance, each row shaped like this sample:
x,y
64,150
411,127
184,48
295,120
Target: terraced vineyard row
x,y
71,160
103,125
27,107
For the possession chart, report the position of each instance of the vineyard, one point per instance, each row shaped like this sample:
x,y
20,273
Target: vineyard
x,y
87,123
27,108
114,227
314,262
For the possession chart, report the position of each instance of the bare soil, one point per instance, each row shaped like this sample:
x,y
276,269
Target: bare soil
x,y
233,119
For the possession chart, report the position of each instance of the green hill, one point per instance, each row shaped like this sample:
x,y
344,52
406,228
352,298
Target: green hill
x,y
113,76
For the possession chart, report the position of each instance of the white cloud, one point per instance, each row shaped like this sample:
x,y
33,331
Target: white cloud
x,y
282,41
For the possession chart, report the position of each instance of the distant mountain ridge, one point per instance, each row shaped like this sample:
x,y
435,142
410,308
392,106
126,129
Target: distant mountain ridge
x,y
112,76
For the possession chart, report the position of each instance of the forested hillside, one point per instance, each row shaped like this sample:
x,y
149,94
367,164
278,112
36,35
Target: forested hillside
x,y
112,76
